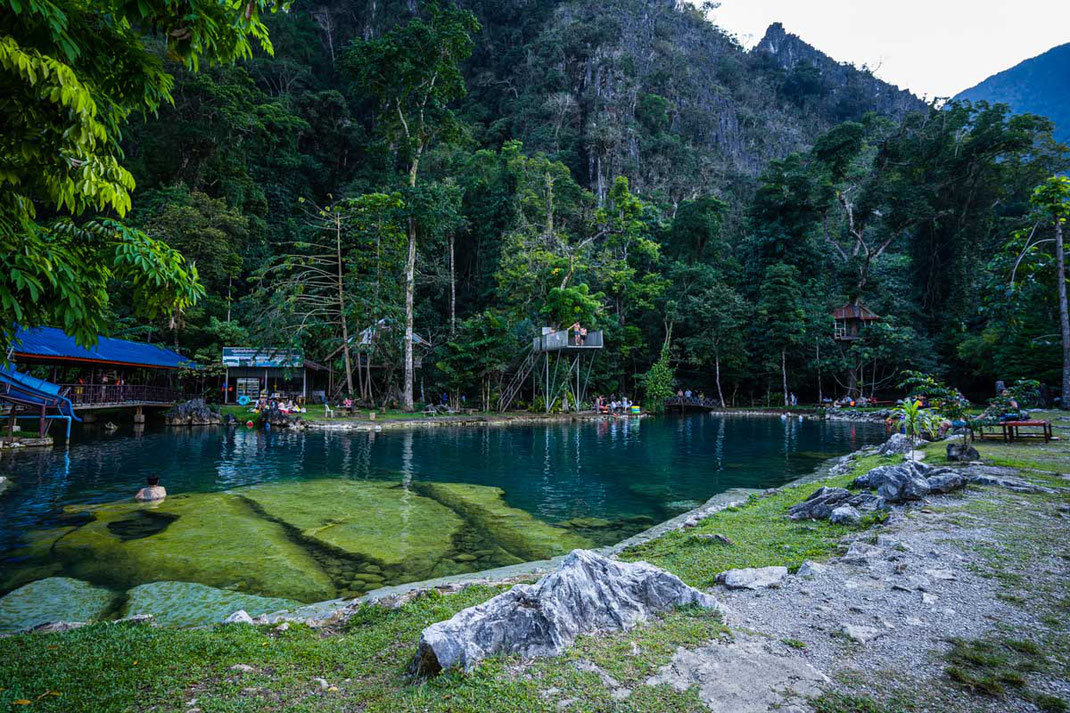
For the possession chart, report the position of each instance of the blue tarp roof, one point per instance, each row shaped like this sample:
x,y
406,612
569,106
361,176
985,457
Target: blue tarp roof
x,y
54,344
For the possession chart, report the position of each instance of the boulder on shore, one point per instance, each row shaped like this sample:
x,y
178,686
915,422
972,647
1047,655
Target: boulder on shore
x,y
897,445
586,593
195,412
962,452
912,481
823,501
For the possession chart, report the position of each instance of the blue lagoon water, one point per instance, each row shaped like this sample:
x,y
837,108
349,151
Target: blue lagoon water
x,y
631,471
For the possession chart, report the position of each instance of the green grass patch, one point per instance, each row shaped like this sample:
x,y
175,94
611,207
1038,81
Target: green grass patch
x,y
763,534
998,667
122,667
835,702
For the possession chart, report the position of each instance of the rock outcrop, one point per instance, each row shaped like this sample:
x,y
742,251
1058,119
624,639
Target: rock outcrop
x,y
896,445
823,501
586,593
195,412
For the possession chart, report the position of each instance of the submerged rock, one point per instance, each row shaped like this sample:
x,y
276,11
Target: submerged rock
x,y
753,578
517,532
191,604
52,600
211,538
376,521
586,593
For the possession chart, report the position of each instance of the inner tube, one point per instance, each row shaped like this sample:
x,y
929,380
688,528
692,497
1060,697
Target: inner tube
x,y
243,400
249,424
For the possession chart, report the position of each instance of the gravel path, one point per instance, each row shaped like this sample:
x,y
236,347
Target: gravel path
x,y
878,619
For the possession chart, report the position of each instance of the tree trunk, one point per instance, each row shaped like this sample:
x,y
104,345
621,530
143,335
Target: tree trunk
x,y
717,368
817,362
342,304
453,289
784,373
410,292
1064,318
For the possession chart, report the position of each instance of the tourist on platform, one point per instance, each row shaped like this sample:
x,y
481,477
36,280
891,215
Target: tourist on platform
x,y
152,492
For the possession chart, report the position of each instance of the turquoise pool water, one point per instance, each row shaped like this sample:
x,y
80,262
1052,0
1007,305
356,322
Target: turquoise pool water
x,y
596,480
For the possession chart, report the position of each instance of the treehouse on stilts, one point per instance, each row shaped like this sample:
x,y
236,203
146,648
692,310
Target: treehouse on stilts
x,y
559,363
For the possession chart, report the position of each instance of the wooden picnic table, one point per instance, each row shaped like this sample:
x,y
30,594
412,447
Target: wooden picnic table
x,y
1012,432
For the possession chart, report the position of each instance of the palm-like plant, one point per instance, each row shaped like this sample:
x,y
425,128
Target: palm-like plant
x,y
916,421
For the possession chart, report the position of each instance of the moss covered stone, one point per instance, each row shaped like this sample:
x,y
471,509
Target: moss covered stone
x,y
53,599
211,538
516,531
376,521
190,604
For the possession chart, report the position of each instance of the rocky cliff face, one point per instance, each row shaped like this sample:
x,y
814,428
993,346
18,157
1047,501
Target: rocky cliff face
x,y
841,89
650,89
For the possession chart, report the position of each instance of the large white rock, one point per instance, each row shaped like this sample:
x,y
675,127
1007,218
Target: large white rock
x,y
586,593
753,578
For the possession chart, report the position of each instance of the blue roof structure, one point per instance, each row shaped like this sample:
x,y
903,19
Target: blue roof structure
x,y
51,344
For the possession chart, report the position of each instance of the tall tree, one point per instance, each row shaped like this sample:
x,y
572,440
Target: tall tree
x,y
1052,198
73,73
414,71
782,315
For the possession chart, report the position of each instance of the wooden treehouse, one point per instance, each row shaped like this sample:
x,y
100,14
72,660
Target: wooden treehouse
x,y
559,362
851,320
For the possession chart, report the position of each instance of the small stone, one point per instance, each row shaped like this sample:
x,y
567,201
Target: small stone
x,y
860,634
242,668
753,577
321,683
860,553
913,621
565,703
715,537
811,569
944,574
284,626
845,515
239,617
927,598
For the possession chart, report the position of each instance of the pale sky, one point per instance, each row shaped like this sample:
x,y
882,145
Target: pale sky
x,y
935,48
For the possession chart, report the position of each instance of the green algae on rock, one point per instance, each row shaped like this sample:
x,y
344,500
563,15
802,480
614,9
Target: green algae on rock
x,y
516,531
53,599
211,538
191,604
378,522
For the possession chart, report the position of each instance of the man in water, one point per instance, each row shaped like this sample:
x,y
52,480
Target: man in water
x,y
153,492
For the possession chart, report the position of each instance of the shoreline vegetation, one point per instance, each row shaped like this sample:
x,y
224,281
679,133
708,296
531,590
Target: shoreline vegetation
x,y
360,659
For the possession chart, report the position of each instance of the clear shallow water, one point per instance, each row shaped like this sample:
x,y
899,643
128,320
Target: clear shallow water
x,y
628,472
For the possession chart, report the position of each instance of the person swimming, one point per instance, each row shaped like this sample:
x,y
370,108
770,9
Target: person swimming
x,y
153,491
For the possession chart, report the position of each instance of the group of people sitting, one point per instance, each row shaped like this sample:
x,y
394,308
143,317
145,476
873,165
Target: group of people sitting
x,y
287,405
612,405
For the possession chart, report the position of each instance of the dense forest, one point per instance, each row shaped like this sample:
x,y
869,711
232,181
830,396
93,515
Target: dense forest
x,y
471,173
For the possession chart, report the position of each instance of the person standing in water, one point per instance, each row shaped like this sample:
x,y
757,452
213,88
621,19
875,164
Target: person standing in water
x,y
152,492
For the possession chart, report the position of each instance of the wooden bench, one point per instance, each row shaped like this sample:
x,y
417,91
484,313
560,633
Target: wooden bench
x,y
1011,430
